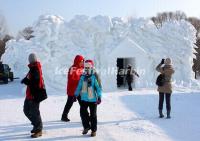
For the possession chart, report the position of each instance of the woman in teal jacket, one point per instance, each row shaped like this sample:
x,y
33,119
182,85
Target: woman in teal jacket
x,y
90,92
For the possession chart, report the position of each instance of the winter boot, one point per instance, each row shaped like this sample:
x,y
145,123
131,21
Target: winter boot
x,y
93,134
130,88
65,119
35,130
168,114
161,114
37,134
85,131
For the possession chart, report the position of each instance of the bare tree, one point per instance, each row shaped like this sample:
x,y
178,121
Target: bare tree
x,y
179,15
2,48
196,66
168,16
26,33
196,23
3,27
155,21
4,37
7,38
3,44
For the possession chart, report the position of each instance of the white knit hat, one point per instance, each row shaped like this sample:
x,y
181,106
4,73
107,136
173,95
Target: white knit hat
x,y
168,61
32,58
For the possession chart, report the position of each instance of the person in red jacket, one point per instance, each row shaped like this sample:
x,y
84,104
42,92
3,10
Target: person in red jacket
x,y
35,84
74,74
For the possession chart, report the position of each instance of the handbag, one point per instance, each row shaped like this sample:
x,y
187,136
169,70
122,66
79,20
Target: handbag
x,y
39,94
160,81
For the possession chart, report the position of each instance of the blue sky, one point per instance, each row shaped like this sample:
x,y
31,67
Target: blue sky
x,y
21,13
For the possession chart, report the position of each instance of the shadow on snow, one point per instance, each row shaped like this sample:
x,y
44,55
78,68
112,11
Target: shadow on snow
x,y
185,114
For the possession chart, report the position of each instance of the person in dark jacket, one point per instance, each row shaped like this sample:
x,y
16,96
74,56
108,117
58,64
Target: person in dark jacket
x,y
34,82
166,90
130,76
74,74
90,91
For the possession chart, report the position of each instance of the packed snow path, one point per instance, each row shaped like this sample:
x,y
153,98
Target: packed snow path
x,y
122,116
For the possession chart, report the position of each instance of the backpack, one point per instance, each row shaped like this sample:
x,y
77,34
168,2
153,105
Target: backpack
x,y
98,79
160,81
99,82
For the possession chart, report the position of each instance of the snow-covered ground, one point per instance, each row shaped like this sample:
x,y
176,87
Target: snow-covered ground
x,y
122,116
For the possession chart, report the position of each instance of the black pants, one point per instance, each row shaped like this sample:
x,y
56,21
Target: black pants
x,y
129,86
32,112
69,104
168,101
89,121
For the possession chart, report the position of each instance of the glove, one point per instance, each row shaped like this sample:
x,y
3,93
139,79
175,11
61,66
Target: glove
x,y
74,99
163,61
137,75
22,81
25,81
98,101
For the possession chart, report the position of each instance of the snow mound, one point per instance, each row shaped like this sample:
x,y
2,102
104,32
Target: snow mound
x,y
57,42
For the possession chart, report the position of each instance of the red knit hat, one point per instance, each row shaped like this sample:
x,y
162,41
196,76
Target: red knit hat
x,y
89,63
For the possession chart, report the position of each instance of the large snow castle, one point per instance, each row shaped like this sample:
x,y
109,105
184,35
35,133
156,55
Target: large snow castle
x,y
110,42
